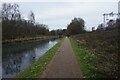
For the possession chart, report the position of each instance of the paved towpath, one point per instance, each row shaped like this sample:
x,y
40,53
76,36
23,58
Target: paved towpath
x,y
63,64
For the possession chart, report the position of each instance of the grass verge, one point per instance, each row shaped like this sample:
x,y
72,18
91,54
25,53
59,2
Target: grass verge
x,y
36,69
84,59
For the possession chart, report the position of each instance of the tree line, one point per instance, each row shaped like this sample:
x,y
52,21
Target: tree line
x,y
14,26
77,26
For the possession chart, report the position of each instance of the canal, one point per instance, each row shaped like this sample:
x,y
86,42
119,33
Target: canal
x,y
18,56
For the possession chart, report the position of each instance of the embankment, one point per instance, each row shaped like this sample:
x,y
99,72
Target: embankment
x,y
28,39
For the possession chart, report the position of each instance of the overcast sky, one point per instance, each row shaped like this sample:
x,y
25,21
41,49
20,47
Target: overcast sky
x,y
57,15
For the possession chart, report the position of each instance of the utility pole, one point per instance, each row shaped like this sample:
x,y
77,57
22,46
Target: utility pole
x,y
119,9
104,19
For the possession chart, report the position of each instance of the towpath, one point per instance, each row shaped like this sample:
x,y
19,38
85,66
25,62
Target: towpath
x,y
63,64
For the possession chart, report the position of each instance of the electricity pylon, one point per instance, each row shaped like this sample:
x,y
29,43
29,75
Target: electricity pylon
x,y
106,15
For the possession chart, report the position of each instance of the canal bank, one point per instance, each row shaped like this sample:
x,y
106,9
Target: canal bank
x,y
16,57
28,39
36,69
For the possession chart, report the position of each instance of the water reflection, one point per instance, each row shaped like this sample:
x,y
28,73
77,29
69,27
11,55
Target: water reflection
x,y
17,57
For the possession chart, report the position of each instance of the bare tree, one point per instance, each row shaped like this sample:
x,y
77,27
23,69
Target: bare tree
x,y
10,12
4,11
15,12
32,17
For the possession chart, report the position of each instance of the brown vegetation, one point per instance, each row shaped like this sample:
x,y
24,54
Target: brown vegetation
x,y
28,39
104,47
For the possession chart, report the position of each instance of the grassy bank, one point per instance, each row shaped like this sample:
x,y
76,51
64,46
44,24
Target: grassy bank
x,y
36,69
84,59
104,46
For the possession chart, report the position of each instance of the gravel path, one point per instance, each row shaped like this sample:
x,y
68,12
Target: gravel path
x,y
63,64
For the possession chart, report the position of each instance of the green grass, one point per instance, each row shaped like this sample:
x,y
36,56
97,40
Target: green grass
x,y
36,69
84,59
104,46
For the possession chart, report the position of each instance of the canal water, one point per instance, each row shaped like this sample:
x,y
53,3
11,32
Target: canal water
x,y
16,57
